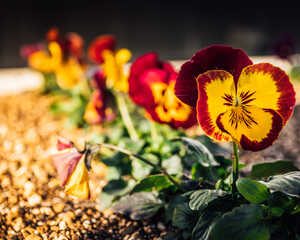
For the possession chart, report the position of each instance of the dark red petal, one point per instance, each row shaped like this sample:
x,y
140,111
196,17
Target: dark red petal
x,y
140,89
215,57
98,81
144,63
104,42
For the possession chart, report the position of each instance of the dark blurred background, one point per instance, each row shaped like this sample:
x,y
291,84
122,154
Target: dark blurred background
x,y
175,29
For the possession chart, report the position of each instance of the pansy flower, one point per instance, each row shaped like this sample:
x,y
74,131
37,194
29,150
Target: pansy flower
x,y
151,85
236,101
70,43
113,67
71,169
68,71
98,109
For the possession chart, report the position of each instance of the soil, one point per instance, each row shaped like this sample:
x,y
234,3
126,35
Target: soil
x,y
33,206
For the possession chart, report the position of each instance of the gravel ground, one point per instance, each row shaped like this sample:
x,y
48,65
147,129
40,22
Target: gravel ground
x,y
33,206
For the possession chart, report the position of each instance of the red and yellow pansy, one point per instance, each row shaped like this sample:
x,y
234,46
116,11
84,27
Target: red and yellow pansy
x,y
151,85
71,169
97,110
103,51
236,100
68,71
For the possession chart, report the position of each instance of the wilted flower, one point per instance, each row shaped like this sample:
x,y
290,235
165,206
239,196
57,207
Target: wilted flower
x,y
248,104
151,85
98,109
71,169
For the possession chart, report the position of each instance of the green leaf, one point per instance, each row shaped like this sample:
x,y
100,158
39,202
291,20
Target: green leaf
x,y
203,226
172,204
287,183
140,169
268,169
242,223
155,182
184,218
173,165
105,200
295,73
112,173
133,146
139,205
200,199
118,187
253,191
204,156
276,211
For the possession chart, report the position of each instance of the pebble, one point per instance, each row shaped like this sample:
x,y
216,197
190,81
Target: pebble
x,y
62,225
34,199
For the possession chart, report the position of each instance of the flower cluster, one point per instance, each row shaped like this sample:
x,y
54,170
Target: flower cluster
x,y
231,98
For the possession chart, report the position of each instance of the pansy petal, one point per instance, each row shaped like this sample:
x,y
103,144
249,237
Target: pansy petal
x,y
98,81
65,163
252,127
142,64
95,109
123,56
214,87
215,57
266,86
144,91
78,183
104,42
63,143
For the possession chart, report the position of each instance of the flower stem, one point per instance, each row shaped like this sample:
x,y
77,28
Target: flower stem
x,y
130,154
125,116
235,166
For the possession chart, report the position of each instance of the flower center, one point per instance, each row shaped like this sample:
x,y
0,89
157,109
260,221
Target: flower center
x,y
239,114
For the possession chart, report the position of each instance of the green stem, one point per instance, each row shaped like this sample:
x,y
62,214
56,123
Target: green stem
x,y
130,154
125,116
235,166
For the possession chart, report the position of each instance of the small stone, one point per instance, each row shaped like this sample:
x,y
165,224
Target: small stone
x,y
86,224
28,188
34,199
62,225
18,224
33,237
58,207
